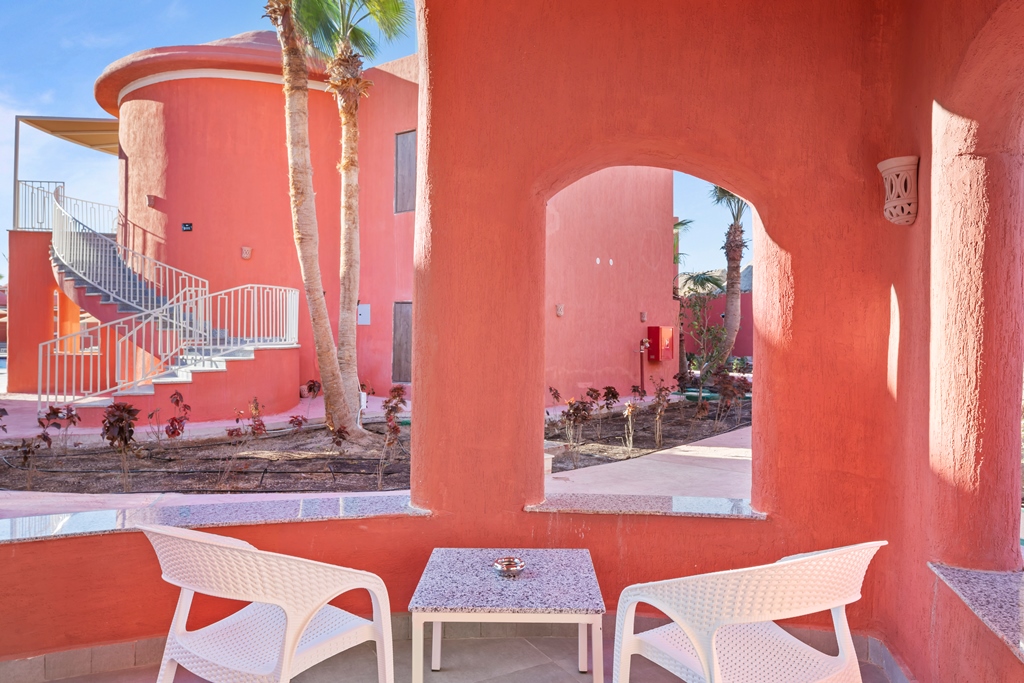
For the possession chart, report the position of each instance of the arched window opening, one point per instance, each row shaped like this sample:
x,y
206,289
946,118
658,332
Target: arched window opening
x,y
648,336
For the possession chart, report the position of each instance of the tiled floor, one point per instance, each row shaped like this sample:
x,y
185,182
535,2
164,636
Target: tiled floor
x,y
471,660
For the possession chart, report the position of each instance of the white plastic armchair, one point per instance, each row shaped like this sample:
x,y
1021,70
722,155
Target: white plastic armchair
x,y
723,628
288,625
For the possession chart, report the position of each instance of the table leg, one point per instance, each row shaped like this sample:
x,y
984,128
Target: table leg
x,y
583,647
597,649
435,648
417,648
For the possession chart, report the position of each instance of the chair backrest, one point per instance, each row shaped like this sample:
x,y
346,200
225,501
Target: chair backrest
x,y
230,568
791,587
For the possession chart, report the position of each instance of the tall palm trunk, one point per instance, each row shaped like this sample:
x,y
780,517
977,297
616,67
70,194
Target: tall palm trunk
x,y
304,226
346,81
733,255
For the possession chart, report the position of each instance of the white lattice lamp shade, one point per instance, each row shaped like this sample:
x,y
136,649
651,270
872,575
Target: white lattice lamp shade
x,y
900,176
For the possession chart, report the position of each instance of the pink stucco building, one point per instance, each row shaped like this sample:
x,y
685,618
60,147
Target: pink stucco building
x,y
204,202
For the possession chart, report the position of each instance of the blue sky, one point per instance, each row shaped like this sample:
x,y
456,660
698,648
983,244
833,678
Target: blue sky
x,y
53,52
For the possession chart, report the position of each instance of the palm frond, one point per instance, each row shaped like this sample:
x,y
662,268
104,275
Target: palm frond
x,y
736,206
704,282
319,23
683,225
393,17
326,24
362,42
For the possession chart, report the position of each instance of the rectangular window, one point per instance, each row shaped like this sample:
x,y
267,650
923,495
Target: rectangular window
x,y
405,171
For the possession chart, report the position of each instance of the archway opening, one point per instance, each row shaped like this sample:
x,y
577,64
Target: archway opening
x,y
648,393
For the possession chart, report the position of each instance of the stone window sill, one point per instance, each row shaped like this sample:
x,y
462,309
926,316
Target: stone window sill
x,y
666,506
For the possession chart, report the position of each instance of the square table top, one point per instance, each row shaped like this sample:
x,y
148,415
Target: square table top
x,y
555,581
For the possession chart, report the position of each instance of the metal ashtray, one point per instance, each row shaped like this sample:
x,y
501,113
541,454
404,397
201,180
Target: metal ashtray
x,y
509,567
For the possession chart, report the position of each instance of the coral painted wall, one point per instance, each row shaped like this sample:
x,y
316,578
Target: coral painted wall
x,y
30,311
623,217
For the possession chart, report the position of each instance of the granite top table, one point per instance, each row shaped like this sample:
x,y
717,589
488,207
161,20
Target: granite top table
x,y
459,584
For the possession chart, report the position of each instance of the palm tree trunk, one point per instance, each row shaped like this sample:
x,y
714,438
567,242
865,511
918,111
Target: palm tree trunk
x,y
346,80
303,207
733,256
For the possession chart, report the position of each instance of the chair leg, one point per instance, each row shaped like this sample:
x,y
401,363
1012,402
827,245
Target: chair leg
x,y
168,667
621,667
385,661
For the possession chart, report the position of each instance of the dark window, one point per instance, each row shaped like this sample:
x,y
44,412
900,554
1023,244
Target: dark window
x,y
405,171
401,343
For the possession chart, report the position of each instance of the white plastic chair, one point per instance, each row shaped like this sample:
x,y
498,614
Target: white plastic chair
x,y
723,628
288,625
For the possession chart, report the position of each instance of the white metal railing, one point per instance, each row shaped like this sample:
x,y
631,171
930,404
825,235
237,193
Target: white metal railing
x,y
188,332
116,270
35,204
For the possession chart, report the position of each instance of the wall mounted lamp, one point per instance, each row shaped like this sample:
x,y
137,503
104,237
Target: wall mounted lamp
x,y
900,176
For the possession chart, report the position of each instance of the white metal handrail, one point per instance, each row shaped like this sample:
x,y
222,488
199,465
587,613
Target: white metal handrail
x,y
188,332
128,276
35,204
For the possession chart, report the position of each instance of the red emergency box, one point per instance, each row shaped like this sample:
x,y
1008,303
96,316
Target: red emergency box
x,y
663,343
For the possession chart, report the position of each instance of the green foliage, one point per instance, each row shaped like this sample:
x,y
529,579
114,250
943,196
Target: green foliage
x,y
736,206
711,341
327,24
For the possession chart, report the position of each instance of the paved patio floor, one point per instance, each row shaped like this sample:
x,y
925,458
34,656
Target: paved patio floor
x,y
469,660
716,467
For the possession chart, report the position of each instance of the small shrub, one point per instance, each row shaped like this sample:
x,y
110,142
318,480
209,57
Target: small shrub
x,y
577,413
557,397
61,419
176,423
251,426
731,391
393,405
298,421
28,449
119,430
594,396
250,421
639,393
629,413
661,396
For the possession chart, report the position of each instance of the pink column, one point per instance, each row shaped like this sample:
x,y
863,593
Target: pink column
x,y
977,346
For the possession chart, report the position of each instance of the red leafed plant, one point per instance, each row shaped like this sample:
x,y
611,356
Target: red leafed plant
x,y
393,405
298,421
251,421
119,430
61,419
176,423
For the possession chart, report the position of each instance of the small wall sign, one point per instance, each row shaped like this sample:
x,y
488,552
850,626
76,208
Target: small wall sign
x,y
186,227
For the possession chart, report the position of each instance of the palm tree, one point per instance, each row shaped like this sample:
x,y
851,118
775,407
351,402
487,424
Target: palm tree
x,y
304,227
678,228
733,248
336,29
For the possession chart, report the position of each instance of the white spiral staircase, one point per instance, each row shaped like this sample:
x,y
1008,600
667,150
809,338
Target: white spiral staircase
x,y
169,324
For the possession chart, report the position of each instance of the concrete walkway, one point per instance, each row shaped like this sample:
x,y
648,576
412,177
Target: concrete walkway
x,y
716,467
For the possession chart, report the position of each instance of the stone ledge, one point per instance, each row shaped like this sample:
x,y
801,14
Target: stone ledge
x,y
997,598
199,515
668,506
